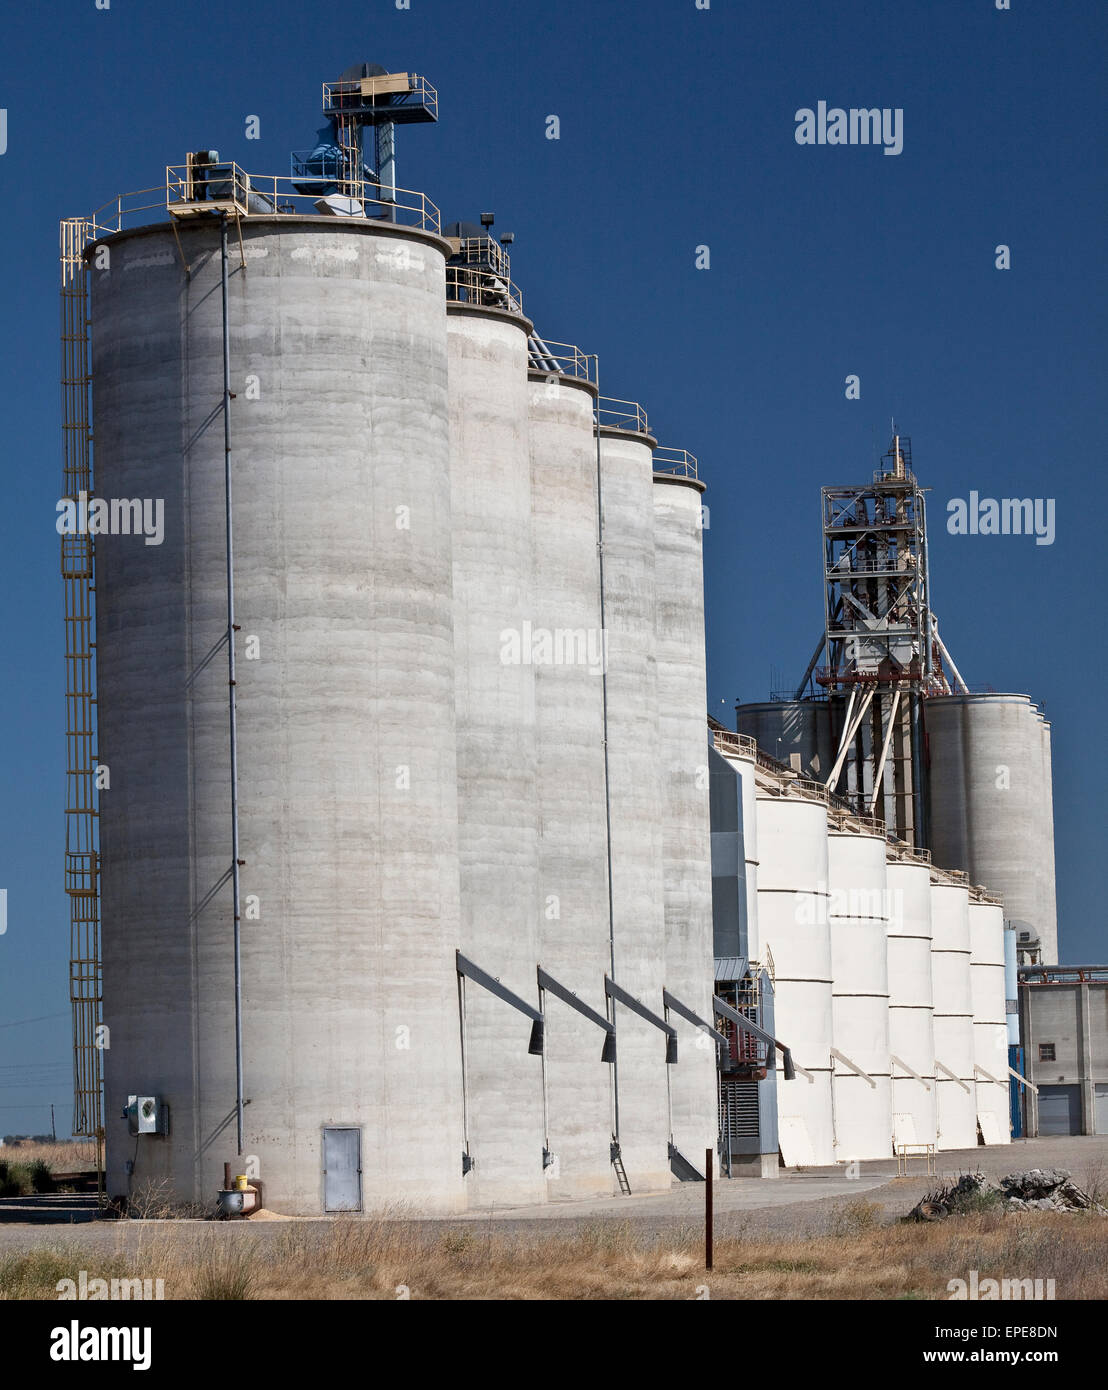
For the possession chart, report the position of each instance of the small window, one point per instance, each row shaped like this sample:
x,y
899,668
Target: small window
x,y
1046,1052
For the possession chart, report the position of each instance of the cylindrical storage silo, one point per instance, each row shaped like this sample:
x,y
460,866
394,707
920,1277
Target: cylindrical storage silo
x,y
990,1027
1011,986
911,1004
795,732
858,918
1049,928
686,830
569,782
635,801
744,762
956,1105
796,945
987,799
345,696
499,645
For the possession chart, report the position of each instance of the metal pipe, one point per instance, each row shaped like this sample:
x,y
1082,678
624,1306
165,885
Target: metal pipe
x,y
949,659
919,827
879,774
604,722
236,886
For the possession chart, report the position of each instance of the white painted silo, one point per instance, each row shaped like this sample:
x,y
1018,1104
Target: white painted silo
x,y
570,789
990,1026
346,733
796,945
740,752
956,1105
496,648
911,1003
860,989
635,787
686,831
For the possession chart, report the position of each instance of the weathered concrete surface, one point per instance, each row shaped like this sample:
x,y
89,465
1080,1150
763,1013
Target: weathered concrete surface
x,y
346,716
569,784
686,829
636,800
498,828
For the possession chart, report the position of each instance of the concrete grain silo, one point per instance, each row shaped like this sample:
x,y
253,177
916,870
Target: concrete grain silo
x,y
686,829
635,793
990,1025
570,786
498,818
399,857
796,946
956,1106
858,920
346,725
795,732
911,1002
990,803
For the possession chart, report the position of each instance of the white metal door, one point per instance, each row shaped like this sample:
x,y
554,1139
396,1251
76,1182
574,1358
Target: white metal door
x,y
342,1169
1101,1108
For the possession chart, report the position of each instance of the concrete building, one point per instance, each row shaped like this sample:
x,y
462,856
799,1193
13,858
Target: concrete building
x,y
1064,1028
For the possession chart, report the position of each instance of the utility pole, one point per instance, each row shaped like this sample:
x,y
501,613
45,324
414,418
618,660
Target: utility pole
x,y
53,1127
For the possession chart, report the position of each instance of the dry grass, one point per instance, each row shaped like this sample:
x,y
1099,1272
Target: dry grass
x,y
383,1258
65,1157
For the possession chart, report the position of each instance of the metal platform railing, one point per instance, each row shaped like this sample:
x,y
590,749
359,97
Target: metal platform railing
x,y
468,285
679,463
563,359
191,190
613,414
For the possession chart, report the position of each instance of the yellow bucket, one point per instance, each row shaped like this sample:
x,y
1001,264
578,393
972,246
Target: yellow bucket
x,y
241,1183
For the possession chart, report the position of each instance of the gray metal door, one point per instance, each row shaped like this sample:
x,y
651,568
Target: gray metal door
x,y
1101,1108
342,1169
1059,1110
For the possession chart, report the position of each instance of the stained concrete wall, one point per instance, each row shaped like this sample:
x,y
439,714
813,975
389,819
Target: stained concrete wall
x,y
635,772
498,818
569,781
350,1012
686,830
991,803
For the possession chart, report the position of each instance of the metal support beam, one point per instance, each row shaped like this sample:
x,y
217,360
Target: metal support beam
x,y
849,730
1027,1085
880,773
811,666
492,984
952,1075
670,1001
620,996
854,1067
791,1067
897,1061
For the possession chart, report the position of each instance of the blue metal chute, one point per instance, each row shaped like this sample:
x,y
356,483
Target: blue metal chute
x,y
318,172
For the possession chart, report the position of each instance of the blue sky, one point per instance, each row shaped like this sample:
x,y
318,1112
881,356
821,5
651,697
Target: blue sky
x,y
677,131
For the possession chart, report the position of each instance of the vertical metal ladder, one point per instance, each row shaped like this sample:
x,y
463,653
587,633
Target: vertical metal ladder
x,y
621,1172
82,848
